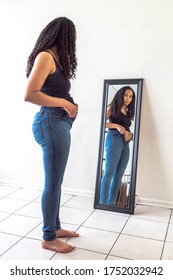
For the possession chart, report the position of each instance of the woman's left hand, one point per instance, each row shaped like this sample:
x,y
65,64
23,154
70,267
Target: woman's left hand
x,y
70,108
128,136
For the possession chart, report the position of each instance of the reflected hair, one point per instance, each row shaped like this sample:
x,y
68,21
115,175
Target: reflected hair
x,y
117,103
60,33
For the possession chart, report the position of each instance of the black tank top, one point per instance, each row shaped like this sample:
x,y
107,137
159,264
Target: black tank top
x,y
57,85
122,120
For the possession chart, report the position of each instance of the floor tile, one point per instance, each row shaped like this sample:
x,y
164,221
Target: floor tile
x,y
106,221
80,254
73,216
7,190
168,251
137,248
3,216
36,233
65,198
145,228
27,249
160,214
18,225
38,200
171,220
11,205
82,202
112,212
94,240
7,241
25,194
169,237
33,209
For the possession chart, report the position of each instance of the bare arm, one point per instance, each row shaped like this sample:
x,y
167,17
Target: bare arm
x,y
43,66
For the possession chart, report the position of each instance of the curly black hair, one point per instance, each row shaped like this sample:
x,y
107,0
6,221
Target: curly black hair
x,y
60,33
117,102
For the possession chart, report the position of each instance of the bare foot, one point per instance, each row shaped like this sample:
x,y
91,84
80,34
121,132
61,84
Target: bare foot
x,y
57,246
66,233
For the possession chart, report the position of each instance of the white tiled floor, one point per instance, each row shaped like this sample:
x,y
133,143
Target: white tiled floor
x,y
146,235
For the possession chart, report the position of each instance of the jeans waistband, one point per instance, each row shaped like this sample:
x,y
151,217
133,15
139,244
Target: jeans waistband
x,y
51,109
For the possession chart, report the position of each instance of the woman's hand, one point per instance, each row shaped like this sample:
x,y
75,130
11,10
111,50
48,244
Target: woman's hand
x,y
128,136
71,109
121,129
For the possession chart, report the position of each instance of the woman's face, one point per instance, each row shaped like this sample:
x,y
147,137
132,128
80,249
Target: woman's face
x,y
128,97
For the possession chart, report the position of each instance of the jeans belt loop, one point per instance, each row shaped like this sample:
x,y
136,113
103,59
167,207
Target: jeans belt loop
x,y
41,110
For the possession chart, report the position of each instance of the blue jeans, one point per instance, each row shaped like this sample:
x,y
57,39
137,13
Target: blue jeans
x,y
51,130
117,156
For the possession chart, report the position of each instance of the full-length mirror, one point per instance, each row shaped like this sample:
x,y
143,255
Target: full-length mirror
x,y
118,148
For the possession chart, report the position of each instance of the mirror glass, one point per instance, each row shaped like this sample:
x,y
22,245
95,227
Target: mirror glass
x,y
118,148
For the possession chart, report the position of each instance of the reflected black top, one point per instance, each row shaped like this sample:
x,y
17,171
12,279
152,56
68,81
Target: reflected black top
x,y
122,120
57,85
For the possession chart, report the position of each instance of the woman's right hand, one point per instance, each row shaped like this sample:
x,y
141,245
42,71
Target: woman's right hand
x,y
70,108
121,129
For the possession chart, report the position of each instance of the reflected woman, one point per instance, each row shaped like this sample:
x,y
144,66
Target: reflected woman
x,y
120,113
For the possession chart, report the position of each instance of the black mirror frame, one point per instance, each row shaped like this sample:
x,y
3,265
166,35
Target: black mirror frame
x,y
130,208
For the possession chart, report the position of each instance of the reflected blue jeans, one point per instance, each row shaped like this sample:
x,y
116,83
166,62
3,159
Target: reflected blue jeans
x,y
51,130
117,156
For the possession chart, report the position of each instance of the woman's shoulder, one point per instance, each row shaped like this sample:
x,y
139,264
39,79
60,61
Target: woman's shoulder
x,y
45,62
44,55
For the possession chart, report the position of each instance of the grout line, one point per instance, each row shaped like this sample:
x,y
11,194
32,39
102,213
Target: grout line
x,y
22,237
5,196
118,236
142,237
21,206
12,245
100,229
166,235
83,222
67,200
139,218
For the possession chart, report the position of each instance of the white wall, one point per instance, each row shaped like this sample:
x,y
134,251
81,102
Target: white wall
x,y
115,39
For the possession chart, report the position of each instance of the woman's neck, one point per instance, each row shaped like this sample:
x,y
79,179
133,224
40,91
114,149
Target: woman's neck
x,y
124,109
54,52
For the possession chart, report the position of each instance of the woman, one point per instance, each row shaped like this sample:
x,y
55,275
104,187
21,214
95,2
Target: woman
x,y
50,66
120,113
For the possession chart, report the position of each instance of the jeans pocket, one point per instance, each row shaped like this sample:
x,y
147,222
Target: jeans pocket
x,y
37,132
37,128
69,120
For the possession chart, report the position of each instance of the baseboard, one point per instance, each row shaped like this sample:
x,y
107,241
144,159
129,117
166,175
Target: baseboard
x,y
72,191
154,202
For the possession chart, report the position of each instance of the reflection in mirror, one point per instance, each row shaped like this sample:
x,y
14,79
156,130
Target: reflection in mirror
x,y
117,162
